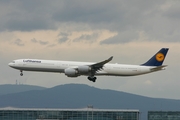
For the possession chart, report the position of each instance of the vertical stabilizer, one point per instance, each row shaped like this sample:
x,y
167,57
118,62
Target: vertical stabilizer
x,y
158,58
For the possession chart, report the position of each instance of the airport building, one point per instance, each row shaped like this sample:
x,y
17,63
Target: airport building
x,y
164,115
67,114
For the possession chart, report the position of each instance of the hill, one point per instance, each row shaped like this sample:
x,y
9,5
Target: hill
x,y
11,88
79,96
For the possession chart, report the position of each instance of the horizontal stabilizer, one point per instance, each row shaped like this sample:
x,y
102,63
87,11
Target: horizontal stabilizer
x,y
158,68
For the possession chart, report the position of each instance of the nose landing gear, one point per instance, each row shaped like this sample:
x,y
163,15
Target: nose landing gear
x,y
21,74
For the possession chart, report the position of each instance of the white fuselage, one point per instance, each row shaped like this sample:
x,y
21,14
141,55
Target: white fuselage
x,y
60,66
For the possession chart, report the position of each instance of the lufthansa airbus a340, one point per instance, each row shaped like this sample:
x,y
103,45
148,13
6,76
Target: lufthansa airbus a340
x,y
90,69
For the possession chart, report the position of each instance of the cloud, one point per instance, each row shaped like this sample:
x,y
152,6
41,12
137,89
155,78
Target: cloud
x,y
18,42
39,41
123,37
87,38
171,10
152,17
43,42
34,40
63,39
24,16
64,34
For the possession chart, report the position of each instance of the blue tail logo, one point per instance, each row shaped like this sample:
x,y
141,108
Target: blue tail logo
x,y
158,58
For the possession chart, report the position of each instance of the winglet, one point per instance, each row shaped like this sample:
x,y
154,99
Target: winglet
x,y
158,58
110,58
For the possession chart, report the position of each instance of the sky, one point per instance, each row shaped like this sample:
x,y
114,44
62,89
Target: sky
x,y
92,31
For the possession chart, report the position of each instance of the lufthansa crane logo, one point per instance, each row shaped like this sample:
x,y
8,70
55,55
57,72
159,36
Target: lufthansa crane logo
x,y
159,57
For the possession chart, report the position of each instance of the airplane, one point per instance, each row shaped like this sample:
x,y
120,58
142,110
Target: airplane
x,y
90,69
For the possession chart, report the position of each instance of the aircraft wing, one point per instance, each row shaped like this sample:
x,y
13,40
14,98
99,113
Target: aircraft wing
x,y
98,66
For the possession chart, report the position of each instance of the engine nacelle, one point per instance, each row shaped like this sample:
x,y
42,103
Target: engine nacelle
x,y
84,69
70,72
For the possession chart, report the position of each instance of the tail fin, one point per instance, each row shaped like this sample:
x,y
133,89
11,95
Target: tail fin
x,y
158,58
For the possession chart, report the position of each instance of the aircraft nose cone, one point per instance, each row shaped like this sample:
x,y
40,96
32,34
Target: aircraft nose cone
x,y
10,64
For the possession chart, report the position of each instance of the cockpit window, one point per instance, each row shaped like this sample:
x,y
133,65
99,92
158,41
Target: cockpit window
x,y
13,61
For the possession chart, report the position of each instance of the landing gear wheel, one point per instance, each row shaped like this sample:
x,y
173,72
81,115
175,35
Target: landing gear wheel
x,y
21,74
93,79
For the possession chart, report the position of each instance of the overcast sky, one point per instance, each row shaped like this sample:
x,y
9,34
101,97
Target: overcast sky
x,y
131,31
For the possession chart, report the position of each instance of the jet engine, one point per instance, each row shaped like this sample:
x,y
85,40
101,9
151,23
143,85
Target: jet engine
x,y
84,69
70,72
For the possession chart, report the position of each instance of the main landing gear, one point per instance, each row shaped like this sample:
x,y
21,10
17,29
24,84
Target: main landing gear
x,y
21,74
93,79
